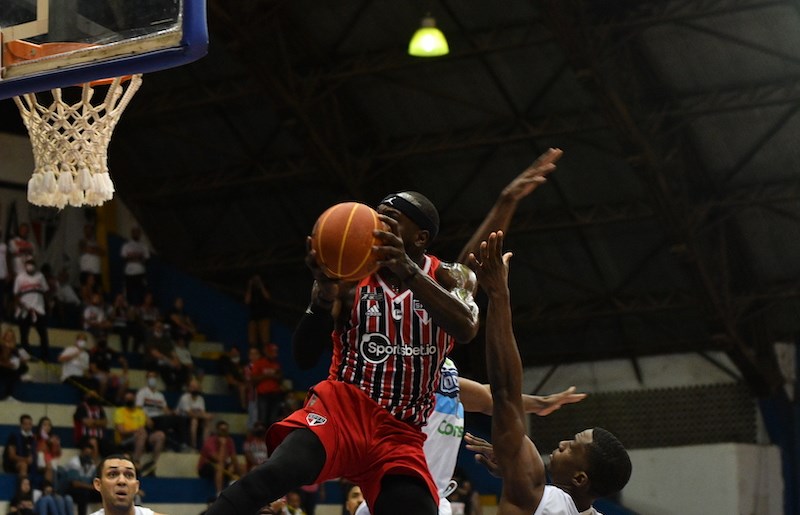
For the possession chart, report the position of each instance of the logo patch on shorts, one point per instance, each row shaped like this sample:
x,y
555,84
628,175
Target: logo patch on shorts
x,y
312,419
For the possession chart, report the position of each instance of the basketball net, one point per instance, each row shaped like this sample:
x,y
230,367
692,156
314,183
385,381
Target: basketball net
x,y
70,142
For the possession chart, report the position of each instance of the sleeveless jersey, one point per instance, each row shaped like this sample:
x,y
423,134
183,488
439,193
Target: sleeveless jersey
x,y
445,429
391,349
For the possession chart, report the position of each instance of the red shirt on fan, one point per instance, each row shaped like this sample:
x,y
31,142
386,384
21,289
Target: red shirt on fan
x,y
270,384
391,349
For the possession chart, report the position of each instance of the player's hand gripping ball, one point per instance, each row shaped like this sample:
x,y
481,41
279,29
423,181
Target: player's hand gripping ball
x,y
343,241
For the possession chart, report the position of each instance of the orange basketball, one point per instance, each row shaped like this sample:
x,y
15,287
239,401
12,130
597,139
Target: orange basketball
x,y
343,240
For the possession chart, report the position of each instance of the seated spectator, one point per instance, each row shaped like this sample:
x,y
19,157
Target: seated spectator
x,y
13,365
155,406
111,386
88,289
255,446
232,369
20,456
48,448
160,356
218,461
75,365
22,502
78,479
148,314
189,370
90,423
135,429
122,318
192,406
53,503
353,498
95,319
294,503
180,323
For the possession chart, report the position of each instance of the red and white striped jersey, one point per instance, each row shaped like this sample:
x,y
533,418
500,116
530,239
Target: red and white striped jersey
x,y
391,349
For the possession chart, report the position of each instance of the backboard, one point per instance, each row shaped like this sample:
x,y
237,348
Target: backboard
x,y
56,43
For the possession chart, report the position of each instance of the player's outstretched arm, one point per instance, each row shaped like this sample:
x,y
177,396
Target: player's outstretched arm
x,y
499,217
515,453
477,398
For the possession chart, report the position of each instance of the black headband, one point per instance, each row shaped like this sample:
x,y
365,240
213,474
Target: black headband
x,y
412,211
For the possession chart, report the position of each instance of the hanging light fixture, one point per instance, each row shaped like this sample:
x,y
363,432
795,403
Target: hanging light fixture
x,y
428,41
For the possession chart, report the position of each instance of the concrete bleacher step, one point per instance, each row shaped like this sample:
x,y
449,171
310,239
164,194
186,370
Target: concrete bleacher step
x,y
40,372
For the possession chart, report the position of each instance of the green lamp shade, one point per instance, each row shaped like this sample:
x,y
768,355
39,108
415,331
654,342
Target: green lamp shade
x,y
428,41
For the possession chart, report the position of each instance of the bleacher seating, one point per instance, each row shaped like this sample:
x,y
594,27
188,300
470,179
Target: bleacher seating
x,y
177,489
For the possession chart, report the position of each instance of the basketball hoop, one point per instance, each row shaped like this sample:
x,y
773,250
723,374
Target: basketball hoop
x,y
70,140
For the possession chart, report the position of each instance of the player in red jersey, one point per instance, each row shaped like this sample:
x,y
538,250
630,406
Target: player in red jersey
x,y
391,332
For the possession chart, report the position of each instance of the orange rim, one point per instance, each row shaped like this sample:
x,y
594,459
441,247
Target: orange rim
x,y
19,51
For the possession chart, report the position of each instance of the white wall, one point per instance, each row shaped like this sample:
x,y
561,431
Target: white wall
x,y
709,479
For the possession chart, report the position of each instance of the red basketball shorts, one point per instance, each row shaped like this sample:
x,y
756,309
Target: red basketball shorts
x,y
363,441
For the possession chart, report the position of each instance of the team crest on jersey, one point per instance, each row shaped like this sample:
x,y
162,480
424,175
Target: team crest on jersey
x,y
374,311
312,419
448,384
420,311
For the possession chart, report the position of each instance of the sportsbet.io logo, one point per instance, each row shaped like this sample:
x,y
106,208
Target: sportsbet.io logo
x,y
376,348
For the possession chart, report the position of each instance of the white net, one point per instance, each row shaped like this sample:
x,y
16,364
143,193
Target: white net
x,y
70,143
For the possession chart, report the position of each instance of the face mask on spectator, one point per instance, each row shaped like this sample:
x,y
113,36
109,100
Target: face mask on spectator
x,y
81,344
30,268
152,382
235,359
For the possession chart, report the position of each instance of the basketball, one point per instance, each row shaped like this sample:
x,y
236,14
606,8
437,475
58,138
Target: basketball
x,y
343,240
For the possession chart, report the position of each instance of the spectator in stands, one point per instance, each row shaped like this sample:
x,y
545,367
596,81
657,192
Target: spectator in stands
x,y
78,480
48,448
90,255
218,461
160,356
294,503
52,503
144,317
90,423
135,254
66,301
188,368
309,496
21,249
30,287
95,318
75,365
192,406
257,298
135,428
232,369
19,455
465,498
111,386
13,365
267,376
180,324
352,498
4,276
255,446
121,316
87,289
155,406
118,483
22,502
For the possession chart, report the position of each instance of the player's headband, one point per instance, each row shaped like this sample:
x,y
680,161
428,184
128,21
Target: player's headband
x,y
399,202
